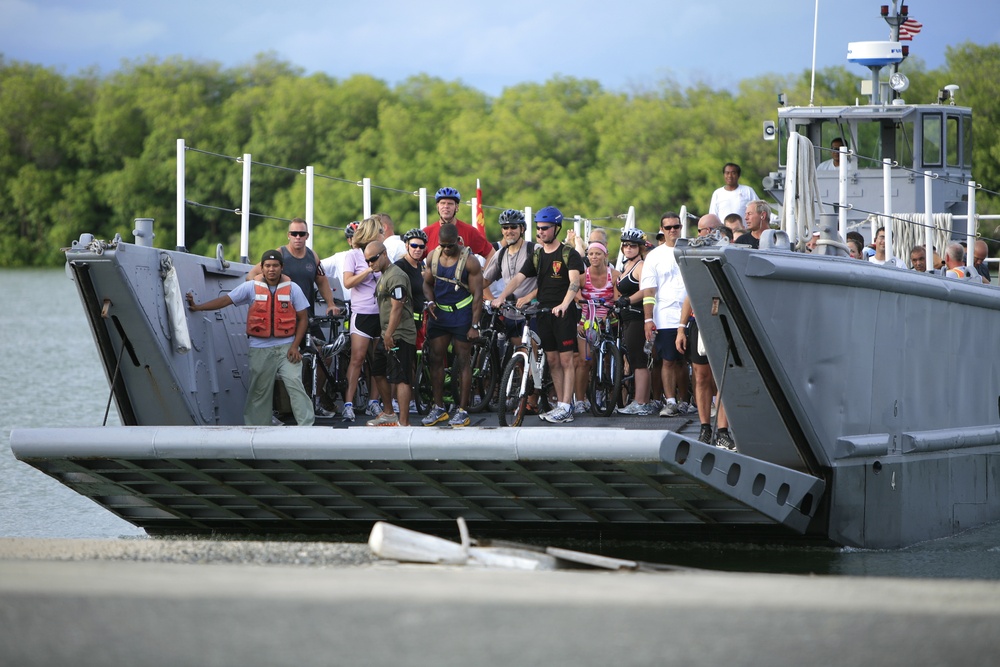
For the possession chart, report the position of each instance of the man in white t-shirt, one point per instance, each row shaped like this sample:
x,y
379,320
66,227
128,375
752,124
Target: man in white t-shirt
x,y
663,296
732,197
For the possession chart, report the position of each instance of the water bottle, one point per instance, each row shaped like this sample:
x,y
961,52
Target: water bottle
x,y
648,348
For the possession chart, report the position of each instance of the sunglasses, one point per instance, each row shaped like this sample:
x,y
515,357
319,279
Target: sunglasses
x,y
544,228
372,260
670,228
628,244
418,245
447,246
298,233
506,227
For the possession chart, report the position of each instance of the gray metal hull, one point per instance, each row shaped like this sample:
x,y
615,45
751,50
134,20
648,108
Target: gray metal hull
x,y
866,456
881,381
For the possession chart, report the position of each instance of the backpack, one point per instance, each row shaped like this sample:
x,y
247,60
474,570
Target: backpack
x,y
459,267
536,252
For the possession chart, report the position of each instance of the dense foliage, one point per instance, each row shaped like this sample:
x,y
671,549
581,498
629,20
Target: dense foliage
x,y
91,153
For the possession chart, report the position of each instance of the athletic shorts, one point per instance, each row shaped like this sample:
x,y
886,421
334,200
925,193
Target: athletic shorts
x,y
692,345
395,365
634,337
666,345
558,334
459,333
367,326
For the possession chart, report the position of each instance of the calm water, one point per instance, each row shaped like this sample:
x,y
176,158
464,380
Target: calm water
x,y
51,376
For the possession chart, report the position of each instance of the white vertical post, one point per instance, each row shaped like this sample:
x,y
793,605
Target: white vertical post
x,y
929,219
529,230
577,224
472,203
970,229
684,221
790,213
366,187
886,202
181,195
245,211
422,196
310,193
842,211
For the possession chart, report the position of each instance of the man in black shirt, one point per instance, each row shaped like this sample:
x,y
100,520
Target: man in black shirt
x,y
558,269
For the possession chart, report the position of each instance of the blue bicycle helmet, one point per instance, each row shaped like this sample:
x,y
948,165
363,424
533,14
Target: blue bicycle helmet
x,y
551,215
415,234
512,217
448,193
634,235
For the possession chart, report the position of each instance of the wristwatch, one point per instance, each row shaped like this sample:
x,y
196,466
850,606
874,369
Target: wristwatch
x,y
476,327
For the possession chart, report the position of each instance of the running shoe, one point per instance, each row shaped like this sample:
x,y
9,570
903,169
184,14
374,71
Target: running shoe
x,y
630,409
645,409
323,412
348,414
460,418
670,409
559,415
384,420
687,408
706,434
374,409
435,416
581,407
724,439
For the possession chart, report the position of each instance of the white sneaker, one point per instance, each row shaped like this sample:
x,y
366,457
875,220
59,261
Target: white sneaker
x,y
645,409
374,409
559,415
581,407
630,409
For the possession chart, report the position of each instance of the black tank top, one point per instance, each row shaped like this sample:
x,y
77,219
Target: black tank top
x,y
627,286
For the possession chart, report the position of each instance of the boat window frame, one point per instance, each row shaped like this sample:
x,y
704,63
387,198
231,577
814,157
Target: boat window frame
x,y
927,133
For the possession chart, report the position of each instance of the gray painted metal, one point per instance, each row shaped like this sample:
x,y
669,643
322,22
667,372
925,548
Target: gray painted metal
x,y
316,480
844,369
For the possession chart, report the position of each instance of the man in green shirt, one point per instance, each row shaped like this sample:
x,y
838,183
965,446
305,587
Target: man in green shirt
x,y
396,350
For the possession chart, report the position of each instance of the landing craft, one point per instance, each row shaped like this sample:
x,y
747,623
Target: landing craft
x,y
851,425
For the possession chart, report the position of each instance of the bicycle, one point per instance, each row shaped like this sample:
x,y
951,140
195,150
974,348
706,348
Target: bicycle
x,y
605,388
334,356
524,374
484,359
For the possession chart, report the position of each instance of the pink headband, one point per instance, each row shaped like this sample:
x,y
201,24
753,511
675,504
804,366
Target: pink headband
x,y
598,244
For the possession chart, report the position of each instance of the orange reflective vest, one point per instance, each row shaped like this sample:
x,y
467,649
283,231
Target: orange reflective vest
x,y
271,316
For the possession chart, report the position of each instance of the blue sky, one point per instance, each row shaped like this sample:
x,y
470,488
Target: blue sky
x,y
626,45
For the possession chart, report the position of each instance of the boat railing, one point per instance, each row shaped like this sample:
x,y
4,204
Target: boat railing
x,y
931,225
581,223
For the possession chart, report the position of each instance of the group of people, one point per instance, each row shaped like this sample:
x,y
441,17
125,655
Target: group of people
x,y
449,270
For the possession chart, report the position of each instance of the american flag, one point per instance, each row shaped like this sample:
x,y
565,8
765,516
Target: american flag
x,y
909,28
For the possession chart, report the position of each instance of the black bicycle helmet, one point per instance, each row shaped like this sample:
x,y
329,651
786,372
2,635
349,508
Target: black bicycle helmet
x,y
513,217
415,234
448,193
350,229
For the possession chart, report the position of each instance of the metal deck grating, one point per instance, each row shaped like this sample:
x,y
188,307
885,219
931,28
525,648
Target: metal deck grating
x,y
329,496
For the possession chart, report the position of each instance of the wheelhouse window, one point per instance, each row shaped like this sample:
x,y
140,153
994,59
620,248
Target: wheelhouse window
x,y
953,127
931,132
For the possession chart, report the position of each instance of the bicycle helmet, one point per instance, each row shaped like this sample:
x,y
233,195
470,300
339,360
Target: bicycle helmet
x,y
512,217
350,229
633,235
448,193
415,234
551,215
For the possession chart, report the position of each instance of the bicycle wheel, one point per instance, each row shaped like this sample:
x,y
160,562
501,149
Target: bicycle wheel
x,y
605,380
423,394
484,377
513,399
627,394
363,390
